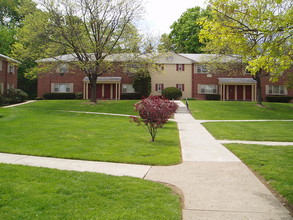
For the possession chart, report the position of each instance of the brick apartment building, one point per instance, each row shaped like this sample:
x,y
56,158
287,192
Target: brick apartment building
x,y
8,73
187,72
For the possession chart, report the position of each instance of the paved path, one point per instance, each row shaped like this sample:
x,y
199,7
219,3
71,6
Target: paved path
x,y
215,184
23,103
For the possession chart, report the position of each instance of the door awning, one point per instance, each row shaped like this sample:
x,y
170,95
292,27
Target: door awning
x,y
105,79
237,81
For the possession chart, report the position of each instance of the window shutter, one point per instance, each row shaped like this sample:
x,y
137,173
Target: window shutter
x,y
71,87
183,67
52,87
199,88
177,67
177,85
182,87
162,87
156,89
267,89
285,91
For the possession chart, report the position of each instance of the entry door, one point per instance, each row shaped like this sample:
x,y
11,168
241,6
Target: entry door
x,y
248,93
239,93
107,91
98,91
231,92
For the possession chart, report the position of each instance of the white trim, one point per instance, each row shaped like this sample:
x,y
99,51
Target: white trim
x,y
204,89
271,90
55,87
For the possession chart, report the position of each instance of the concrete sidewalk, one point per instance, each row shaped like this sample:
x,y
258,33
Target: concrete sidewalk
x,y
115,169
215,184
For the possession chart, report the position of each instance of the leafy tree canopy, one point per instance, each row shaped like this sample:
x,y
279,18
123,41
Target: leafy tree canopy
x,y
259,31
90,30
184,35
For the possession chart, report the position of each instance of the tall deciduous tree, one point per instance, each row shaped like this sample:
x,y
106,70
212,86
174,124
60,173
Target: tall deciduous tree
x,y
184,35
259,31
90,30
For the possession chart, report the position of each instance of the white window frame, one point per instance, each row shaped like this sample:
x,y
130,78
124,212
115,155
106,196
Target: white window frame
x,y
160,87
201,69
127,88
180,67
180,87
63,68
62,87
276,90
10,68
208,89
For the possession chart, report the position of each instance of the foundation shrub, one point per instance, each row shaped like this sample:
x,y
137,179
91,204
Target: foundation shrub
x,y
13,96
284,99
59,96
213,97
171,93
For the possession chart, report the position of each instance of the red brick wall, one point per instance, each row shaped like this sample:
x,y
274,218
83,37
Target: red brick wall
x,y
8,78
204,79
75,76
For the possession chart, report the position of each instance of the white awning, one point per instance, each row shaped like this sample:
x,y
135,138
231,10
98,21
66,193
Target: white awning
x,y
105,79
237,81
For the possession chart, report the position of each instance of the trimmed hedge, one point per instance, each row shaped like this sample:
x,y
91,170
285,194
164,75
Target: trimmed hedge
x,y
284,99
59,96
131,96
171,93
213,97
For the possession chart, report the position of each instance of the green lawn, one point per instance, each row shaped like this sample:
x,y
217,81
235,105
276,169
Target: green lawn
x,y
119,107
232,110
32,129
274,163
252,131
40,193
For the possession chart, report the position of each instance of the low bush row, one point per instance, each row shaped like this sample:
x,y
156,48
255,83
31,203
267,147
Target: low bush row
x,y
64,95
285,99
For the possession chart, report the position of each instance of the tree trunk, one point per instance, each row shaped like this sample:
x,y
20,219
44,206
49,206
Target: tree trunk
x,y
93,81
258,88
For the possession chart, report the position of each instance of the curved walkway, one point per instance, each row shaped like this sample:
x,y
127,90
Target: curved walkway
x,y
215,184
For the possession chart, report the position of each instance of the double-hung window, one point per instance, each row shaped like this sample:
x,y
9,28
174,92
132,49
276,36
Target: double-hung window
x,y
207,89
201,69
62,87
180,67
276,90
63,68
180,86
127,88
10,69
159,87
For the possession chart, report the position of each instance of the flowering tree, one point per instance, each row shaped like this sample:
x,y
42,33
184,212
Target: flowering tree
x,y
154,112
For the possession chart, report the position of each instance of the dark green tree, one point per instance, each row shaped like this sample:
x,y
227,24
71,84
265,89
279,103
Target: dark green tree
x,y
184,35
142,82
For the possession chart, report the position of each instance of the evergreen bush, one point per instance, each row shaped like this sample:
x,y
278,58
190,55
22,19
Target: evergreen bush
x,y
171,93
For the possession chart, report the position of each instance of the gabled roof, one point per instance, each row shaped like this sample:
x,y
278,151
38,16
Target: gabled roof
x,y
167,58
236,80
111,58
202,58
8,58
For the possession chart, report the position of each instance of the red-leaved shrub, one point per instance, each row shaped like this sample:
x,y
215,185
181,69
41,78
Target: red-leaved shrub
x,y
154,112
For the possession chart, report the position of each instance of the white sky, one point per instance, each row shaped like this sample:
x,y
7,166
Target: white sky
x,y
160,14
